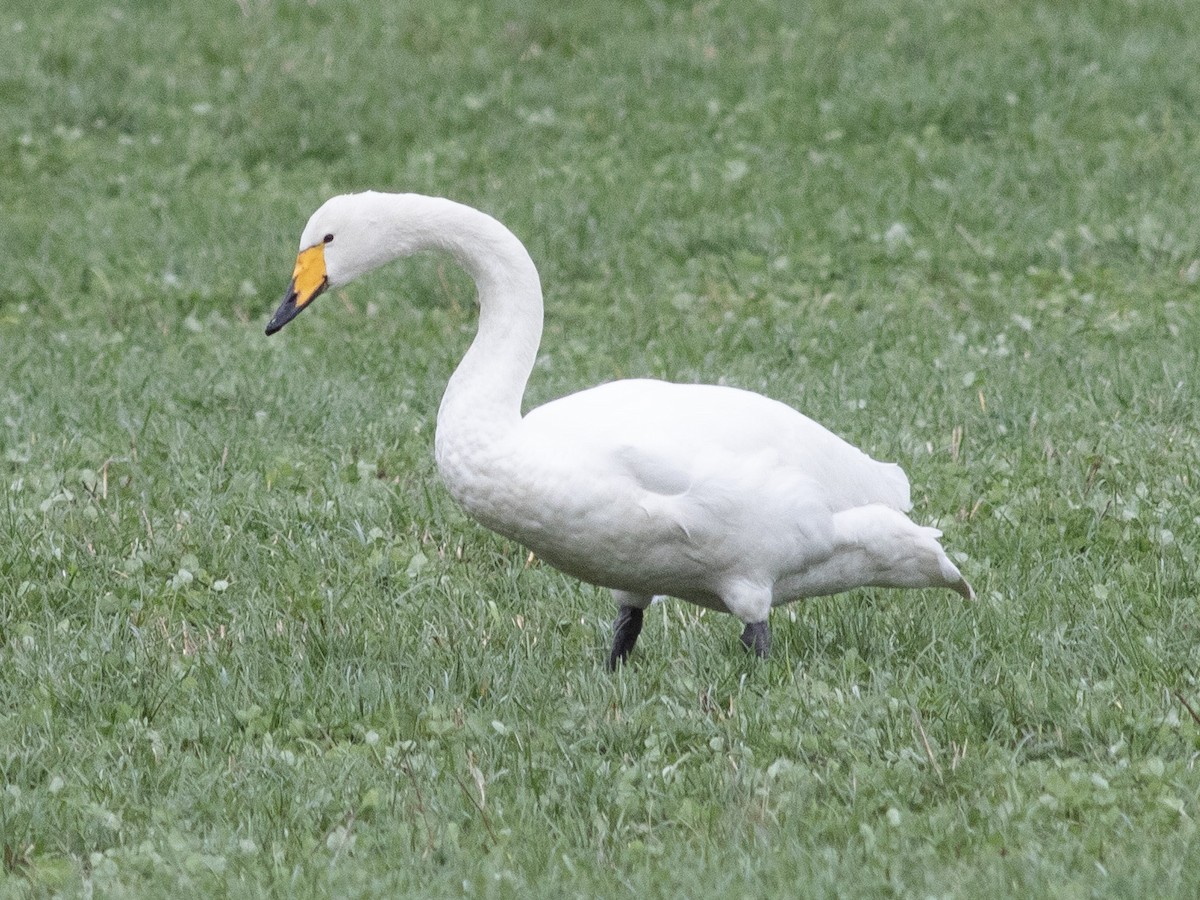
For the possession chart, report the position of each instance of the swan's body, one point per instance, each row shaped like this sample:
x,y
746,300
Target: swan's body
x,y
718,496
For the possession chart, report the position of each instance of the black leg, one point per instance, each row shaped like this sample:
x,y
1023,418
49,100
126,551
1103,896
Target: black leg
x,y
757,637
625,634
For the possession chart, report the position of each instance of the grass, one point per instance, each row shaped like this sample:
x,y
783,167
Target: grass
x,y
248,645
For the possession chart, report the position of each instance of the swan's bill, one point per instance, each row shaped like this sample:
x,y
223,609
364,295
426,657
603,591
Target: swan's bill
x,y
308,281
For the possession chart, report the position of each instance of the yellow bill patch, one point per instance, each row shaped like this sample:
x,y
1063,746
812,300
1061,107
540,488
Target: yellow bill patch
x,y
309,275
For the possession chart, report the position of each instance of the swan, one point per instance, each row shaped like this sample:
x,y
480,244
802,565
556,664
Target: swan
x,y
715,495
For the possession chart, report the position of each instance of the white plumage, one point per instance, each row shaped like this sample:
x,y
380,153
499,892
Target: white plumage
x,y
715,495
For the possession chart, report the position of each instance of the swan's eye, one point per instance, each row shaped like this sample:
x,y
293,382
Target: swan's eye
x,y
328,238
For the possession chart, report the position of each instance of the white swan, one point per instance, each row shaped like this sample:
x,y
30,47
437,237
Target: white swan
x,y
711,494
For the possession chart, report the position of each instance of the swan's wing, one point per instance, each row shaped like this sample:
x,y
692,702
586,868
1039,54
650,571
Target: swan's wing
x,y
735,507
670,434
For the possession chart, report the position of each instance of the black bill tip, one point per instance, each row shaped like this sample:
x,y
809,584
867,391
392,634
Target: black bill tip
x,y
286,312
288,309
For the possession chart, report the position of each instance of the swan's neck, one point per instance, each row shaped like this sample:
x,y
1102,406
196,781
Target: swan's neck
x,y
482,402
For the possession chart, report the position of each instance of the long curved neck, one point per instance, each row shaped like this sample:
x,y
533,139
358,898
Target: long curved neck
x,y
483,398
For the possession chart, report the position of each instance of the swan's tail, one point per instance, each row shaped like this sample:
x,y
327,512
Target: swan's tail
x,y
953,578
897,552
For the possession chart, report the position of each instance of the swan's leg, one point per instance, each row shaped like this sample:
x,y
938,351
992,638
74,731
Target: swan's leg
x,y
627,627
625,634
757,637
751,603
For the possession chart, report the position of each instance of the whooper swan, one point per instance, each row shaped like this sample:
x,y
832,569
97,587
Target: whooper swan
x,y
715,495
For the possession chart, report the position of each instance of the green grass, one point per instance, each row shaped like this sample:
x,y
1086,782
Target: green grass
x,y
249,646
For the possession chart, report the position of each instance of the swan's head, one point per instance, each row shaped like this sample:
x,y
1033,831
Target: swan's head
x,y
348,236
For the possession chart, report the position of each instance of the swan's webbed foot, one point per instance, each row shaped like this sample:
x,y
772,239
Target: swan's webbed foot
x,y
625,634
757,638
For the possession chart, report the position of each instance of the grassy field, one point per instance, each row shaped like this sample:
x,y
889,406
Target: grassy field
x,y
248,645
